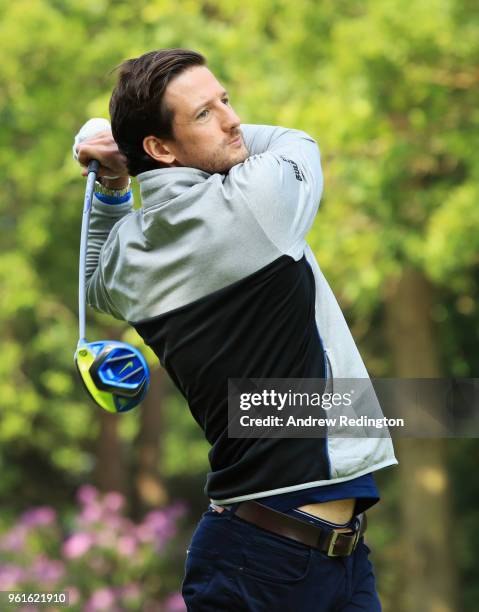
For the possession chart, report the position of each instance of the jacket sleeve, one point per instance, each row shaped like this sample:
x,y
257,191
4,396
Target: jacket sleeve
x,y
101,254
281,181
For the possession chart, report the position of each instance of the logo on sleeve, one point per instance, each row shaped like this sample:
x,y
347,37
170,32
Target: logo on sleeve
x,y
297,172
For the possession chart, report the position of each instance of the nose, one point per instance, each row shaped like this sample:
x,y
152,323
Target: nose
x,y
230,119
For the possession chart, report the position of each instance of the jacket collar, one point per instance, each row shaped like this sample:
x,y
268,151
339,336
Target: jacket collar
x,y
165,184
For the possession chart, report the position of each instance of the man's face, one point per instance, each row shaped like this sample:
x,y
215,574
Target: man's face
x,y
206,128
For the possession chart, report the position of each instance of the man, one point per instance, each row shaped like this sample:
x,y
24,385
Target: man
x,y
216,276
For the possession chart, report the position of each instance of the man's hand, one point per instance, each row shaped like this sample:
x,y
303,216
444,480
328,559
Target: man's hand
x,y
95,141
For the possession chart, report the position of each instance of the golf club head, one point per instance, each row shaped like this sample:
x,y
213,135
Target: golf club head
x,y
115,374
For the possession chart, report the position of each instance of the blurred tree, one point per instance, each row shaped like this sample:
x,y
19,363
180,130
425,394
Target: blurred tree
x,y
147,478
402,122
44,408
425,499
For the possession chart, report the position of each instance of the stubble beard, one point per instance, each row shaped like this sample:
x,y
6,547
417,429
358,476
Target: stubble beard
x,y
223,160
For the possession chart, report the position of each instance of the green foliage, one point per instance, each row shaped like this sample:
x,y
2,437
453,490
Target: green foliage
x,y
184,449
390,91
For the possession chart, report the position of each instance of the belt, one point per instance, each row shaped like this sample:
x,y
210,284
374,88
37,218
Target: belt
x,y
333,543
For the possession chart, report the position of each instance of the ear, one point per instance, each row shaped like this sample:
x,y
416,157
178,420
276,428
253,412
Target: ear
x,y
158,150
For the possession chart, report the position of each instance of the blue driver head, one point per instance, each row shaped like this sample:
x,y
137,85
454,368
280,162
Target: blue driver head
x,y
115,374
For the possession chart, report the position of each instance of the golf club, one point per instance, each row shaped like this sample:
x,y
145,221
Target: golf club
x,y
115,374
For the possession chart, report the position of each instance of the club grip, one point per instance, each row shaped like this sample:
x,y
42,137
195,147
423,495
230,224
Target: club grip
x,y
93,166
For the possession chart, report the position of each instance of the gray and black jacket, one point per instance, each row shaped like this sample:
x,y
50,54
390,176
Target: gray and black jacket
x,y
213,271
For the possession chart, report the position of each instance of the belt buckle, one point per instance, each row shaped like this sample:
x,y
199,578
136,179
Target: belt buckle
x,y
352,544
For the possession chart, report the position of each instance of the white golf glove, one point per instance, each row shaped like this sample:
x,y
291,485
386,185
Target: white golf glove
x,y
88,130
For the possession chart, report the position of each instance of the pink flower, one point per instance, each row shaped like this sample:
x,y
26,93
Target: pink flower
x,y
87,494
73,595
14,540
177,510
127,527
77,545
157,519
113,501
157,527
42,515
114,522
174,603
91,513
47,571
10,576
103,599
126,546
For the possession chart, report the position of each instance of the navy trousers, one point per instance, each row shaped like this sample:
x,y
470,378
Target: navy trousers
x,y
234,566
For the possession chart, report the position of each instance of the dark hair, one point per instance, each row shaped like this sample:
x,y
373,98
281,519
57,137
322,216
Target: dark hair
x,y
137,108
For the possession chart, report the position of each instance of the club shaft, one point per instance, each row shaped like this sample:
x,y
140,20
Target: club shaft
x,y
90,186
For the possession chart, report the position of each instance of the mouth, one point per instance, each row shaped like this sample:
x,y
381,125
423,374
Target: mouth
x,y
236,142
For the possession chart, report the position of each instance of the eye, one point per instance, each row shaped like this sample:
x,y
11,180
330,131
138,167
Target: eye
x,y
205,112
